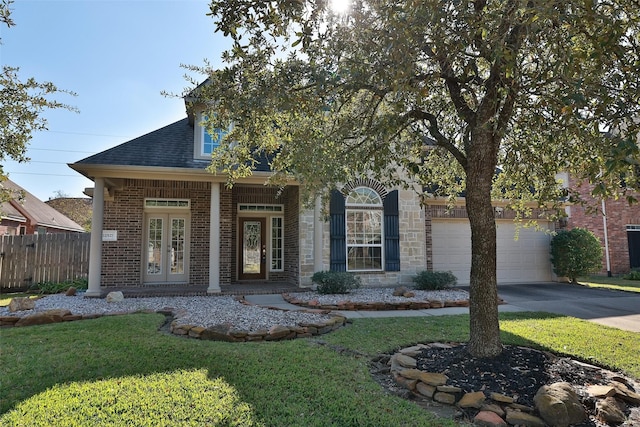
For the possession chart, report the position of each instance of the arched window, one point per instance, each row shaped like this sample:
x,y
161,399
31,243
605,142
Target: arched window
x,y
364,230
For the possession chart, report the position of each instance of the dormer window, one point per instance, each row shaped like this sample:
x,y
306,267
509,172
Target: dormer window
x,y
209,142
205,142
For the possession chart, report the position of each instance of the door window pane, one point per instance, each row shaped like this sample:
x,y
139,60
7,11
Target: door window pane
x,y
176,257
251,247
154,263
276,243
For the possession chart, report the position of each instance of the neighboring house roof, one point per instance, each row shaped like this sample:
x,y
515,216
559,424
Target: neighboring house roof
x,y
169,147
36,211
7,211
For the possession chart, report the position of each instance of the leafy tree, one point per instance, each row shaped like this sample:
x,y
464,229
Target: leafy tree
x,y
432,94
575,253
23,102
79,209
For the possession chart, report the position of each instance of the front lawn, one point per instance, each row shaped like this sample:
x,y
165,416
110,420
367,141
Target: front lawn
x,y
120,370
616,283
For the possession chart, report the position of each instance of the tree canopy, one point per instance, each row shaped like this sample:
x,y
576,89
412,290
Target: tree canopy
x,y
23,103
434,94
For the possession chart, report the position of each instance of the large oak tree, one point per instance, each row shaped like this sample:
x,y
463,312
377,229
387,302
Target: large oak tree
x,y
439,93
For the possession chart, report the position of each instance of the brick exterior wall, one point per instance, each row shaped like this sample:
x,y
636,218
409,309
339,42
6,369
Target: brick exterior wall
x,y
122,259
619,215
227,257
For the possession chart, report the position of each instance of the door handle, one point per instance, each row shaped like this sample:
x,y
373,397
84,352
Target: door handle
x,y
264,253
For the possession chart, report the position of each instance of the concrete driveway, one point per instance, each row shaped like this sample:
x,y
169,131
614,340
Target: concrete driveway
x,y
612,308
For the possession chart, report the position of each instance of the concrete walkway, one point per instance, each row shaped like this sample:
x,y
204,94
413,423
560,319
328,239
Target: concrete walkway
x,y
603,306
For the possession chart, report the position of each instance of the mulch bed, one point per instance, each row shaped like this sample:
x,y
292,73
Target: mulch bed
x,y
518,372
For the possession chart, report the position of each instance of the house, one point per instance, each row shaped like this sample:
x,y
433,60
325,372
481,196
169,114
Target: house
x,y
160,218
26,214
615,223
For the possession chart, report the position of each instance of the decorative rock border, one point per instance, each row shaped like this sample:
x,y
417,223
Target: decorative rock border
x,y
556,404
348,305
224,332
56,316
275,333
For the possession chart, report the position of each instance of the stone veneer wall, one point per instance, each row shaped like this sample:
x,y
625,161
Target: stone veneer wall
x,y
121,260
412,245
619,215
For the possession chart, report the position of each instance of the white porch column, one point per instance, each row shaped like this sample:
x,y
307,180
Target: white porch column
x,y
95,248
317,236
214,241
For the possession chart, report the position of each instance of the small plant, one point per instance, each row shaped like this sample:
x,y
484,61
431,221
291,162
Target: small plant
x,y
434,280
633,275
57,287
575,253
335,282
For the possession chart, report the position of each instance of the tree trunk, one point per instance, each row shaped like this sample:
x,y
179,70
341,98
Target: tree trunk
x,y
484,326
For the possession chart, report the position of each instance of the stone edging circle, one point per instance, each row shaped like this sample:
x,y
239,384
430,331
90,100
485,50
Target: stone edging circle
x,y
495,409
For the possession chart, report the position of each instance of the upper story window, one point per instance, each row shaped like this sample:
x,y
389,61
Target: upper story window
x,y
211,142
206,142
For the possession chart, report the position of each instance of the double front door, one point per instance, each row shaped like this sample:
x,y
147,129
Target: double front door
x,y
166,248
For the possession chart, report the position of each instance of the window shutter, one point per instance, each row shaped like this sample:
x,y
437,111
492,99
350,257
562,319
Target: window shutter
x,y
338,248
391,232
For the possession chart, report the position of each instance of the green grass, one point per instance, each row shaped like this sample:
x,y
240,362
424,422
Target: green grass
x,y
121,371
615,283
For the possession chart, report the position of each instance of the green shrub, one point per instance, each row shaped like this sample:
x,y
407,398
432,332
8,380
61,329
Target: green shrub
x,y
575,253
434,280
57,287
633,275
335,282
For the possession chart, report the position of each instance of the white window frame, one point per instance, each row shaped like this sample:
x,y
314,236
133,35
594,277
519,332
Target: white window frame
x,y
364,207
165,203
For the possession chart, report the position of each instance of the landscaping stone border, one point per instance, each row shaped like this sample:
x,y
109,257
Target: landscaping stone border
x,y
224,332
556,405
348,305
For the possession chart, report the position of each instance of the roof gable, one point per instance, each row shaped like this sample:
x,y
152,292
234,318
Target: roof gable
x,y
36,211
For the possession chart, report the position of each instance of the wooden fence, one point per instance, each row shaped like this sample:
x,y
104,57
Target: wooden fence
x,y
31,259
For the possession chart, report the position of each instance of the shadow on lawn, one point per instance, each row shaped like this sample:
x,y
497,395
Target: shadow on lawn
x,y
283,381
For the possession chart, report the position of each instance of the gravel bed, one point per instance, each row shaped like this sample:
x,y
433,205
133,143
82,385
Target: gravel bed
x,y
383,295
197,311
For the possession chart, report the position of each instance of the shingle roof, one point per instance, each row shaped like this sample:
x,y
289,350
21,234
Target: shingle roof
x,y
41,213
167,147
7,211
170,146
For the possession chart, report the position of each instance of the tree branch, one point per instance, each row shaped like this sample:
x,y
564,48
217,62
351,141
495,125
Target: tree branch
x,y
431,122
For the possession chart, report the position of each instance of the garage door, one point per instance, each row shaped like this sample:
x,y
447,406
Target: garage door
x,y
524,260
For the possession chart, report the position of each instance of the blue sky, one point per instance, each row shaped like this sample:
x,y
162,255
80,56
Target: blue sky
x,y
117,55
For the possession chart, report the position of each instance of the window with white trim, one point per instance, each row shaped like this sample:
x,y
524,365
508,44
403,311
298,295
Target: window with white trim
x,y
364,230
277,243
209,141
167,203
